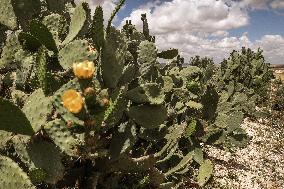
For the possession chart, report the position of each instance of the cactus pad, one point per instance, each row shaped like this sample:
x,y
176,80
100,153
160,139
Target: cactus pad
x,y
148,116
12,176
13,119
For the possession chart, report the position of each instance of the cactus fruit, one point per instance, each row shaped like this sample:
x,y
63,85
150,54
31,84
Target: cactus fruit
x,y
89,91
72,101
84,70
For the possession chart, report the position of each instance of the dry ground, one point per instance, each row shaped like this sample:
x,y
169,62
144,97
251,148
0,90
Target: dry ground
x,y
259,166
279,75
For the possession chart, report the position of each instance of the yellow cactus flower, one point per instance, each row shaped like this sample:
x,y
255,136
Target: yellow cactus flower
x,y
84,70
72,101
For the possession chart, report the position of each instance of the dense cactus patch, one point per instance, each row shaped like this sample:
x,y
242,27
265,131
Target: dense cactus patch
x,y
96,102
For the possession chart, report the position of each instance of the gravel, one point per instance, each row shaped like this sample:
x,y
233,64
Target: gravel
x,y
258,166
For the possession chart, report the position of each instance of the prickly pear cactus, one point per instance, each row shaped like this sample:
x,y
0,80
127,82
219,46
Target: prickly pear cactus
x,y
20,179
83,104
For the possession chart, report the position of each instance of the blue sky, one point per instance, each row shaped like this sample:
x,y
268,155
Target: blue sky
x,y
210,28
262,22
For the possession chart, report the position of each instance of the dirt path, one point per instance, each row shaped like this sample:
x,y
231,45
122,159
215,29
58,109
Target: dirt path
x,y
259,166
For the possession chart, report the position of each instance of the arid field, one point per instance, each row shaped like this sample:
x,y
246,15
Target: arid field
x,y
278,71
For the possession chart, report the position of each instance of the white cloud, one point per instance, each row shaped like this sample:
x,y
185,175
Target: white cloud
x,y
277,4
198,27
255,4
220,33
273,48
191,16
191,45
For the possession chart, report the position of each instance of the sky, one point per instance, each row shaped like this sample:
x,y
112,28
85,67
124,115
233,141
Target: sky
x,y
211,28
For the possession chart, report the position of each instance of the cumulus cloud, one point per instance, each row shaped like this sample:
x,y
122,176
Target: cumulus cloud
x,y
191,45
273,46
201,27
254,4
191,16
277,4
261,4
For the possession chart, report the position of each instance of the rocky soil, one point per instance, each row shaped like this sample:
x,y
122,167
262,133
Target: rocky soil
x,y
258,166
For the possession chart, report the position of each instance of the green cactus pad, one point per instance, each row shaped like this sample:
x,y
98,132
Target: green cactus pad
x,y
19,97
62,137
112,64
194,105
74,52
147,53
115,111
168,83
8,17
12,46
13,119
128,74
78,19
189,72
205,172
148,116
168,54
210,102
42,74
238,138
56,6
29,42
37,108
26,10
25,60
153,134
150,92
4,138
97,29
43,35
20,143
46,157
184,162
123,139
198,155
191,128
57,25
42,158
12,176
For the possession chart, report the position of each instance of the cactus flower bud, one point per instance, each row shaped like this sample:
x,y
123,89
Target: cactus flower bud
x,y
72,101
89,91
84,70
106,102
90,123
